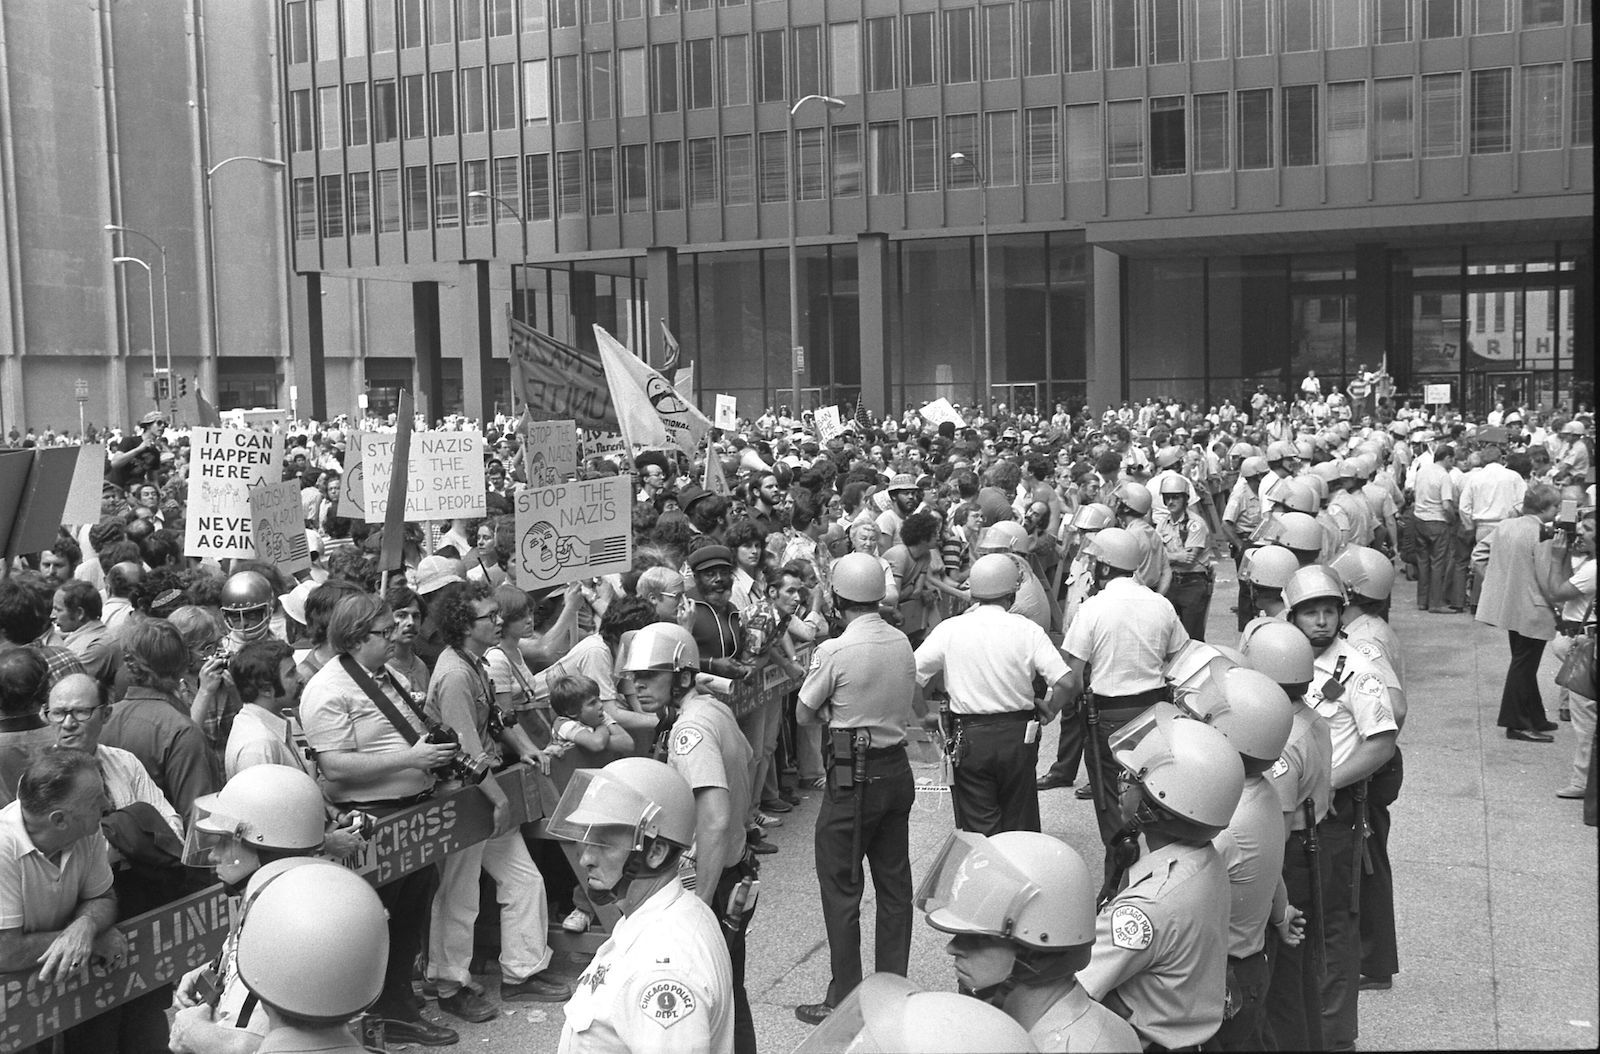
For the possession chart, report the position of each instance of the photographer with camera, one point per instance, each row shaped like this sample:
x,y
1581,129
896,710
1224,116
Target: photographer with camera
x,y
376,753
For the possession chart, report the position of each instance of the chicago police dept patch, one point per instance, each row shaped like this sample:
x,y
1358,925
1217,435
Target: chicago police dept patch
x,y
667,1002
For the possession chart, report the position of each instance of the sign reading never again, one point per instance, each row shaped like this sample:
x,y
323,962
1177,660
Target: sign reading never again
x,y
574,530
444,480
224,465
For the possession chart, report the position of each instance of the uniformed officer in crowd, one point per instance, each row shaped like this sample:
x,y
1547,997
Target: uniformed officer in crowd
x,y
860,685
1161,941
1020,910
886,1013
311,947
989,659
1241,518
662,981
1118,648
705,748
1132,503
1267,569
1087,522
1187,540
1350,691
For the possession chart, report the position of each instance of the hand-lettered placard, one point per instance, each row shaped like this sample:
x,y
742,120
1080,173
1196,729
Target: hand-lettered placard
x,y
574,530
445,480
224,465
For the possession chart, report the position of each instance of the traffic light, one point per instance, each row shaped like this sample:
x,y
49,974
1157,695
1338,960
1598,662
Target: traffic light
x,y
161,388
183,387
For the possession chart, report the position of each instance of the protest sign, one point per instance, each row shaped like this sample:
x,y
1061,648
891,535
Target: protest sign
x,y
88,480
258,420
603,444
574,530
444,477
727,413
828,423
279,526
552,452
940,411
14,468
44,499
352,503
1436,394
224,464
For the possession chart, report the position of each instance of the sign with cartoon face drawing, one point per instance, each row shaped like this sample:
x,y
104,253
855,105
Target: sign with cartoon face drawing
x,y
278,526
573,530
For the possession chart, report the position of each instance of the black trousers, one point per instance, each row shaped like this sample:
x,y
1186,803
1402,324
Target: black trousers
x,y
1521,706
885,803
1069,745
994,788
1380,955
1292,1015
1113,713
1190,596
744,1026
1341,928
409,902
1248,978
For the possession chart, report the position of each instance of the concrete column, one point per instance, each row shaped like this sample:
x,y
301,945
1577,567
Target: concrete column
x,y
427,343
1105,337
875,291
13,405
476,339
315,351
661,294
580,305
1372,306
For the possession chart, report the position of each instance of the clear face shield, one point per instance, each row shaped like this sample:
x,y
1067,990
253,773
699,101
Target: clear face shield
x,y
972,889
1195,665
1141,744
214,840
596,809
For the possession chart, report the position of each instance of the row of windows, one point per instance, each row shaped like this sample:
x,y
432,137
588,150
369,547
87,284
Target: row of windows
x,y
1392,119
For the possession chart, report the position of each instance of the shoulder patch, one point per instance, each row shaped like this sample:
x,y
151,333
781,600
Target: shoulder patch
x,y
816,661
1280,768
1367,647
1370,684
667,1002
686,740
1131,928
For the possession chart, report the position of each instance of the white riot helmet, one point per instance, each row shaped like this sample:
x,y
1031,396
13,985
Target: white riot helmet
x,y
1022,886
887,1013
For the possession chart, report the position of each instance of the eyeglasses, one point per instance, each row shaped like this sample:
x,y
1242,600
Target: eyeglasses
x,y
381,631
491,615
675,596
79,714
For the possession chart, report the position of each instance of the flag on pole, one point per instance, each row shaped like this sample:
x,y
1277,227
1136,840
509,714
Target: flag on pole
x,y
683,381
649,411
391,553
672,350
558,381
207,414
863,418
716,481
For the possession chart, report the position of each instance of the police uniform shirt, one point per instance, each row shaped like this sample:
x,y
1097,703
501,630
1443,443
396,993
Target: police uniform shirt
x,y
1252,850
1125,633
1080,581
287,1039
661,984
1162,945
1154,566
1243,509
1032,602
1376,639
864,677
1359,514
1158,508
1361,711
1077,1024
989,658
1179,537
236,1008
1305,768
707,749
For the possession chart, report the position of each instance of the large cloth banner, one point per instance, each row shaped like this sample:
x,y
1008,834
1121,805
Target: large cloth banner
x,y
650,411
557,380
225,464
574,530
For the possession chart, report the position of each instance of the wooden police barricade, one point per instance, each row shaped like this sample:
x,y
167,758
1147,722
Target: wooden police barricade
x,y
767,685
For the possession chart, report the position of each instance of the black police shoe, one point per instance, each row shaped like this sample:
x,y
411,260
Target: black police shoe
x,y
813,1013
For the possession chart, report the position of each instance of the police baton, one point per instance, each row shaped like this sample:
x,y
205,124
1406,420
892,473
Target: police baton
x,y
1363,860
859,743
1314,864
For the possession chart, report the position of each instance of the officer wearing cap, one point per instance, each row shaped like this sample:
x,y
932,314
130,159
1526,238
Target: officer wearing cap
x,y
1161,942
1118,648
989,659
860,686
663,981
1019,908
904,495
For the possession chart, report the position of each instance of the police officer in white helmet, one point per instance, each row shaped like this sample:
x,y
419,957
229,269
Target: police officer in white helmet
x,y
887,1013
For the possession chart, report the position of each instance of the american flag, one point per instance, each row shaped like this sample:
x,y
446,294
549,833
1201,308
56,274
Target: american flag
x,y
608,550
863,418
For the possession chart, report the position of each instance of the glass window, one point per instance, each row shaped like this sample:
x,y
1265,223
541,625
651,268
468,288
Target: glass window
x,y
472,99
1039,29
999,47
880,54
299,33
599,94
441,23
533,16
666,77
327,15
769,66
1085,152
1125,139
411,33
563,13
333,206
476,177
922,135
502,17
1491,16
883,157
738,170
328,115
597,12
1169,145
1299,28
1391,20
469,19
442,114
961,137
414,117
1347,123
385,111
702,172
383,40
1441,18
736,70
305,207
536,186
1255,27
1080,38
446,196
635,177
388,200
417,198
1441,115
1394,119
1122,33
1583,12
1301,134
627,9
503,97
506,185
355,46
1541,106
1347,23
632,91
1043,145
602,181
772,176
535,90
844,58
847,161
699,78
1542,13
808,164
960,45
1491,111
1211,132
569,183
1166,32
301,125
807,61
920,63
1002,148
1255,128
1210,30
1583,103
355,114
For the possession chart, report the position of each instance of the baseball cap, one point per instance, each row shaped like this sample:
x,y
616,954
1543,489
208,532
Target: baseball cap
x,y
436,572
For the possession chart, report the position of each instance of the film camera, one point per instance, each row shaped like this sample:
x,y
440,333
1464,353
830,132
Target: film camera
x,y
462,766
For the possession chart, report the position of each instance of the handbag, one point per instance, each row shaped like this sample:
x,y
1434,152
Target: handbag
x,y
1577,669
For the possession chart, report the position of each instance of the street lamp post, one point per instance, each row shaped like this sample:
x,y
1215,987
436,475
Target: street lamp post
x,y
213,326
988,357
511,386
150,289
794,255
166,314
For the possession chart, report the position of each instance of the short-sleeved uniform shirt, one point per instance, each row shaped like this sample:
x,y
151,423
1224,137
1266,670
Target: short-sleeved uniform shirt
x,y
661,984
707,749
1305,768
338,715
1243,509
1154,567
1162,945
864,677
1080,1025
1362,710
1125,633
989,658
1377,640
38,895
1252,850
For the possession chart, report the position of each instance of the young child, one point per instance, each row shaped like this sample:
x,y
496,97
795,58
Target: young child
x,y
582,722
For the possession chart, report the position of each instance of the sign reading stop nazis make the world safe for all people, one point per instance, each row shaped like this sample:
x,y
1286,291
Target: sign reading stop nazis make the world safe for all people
x,y
224,464
444,480
574,530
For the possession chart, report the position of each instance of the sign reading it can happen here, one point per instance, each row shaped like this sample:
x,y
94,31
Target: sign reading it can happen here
x,y
224,465
574,530
445,478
